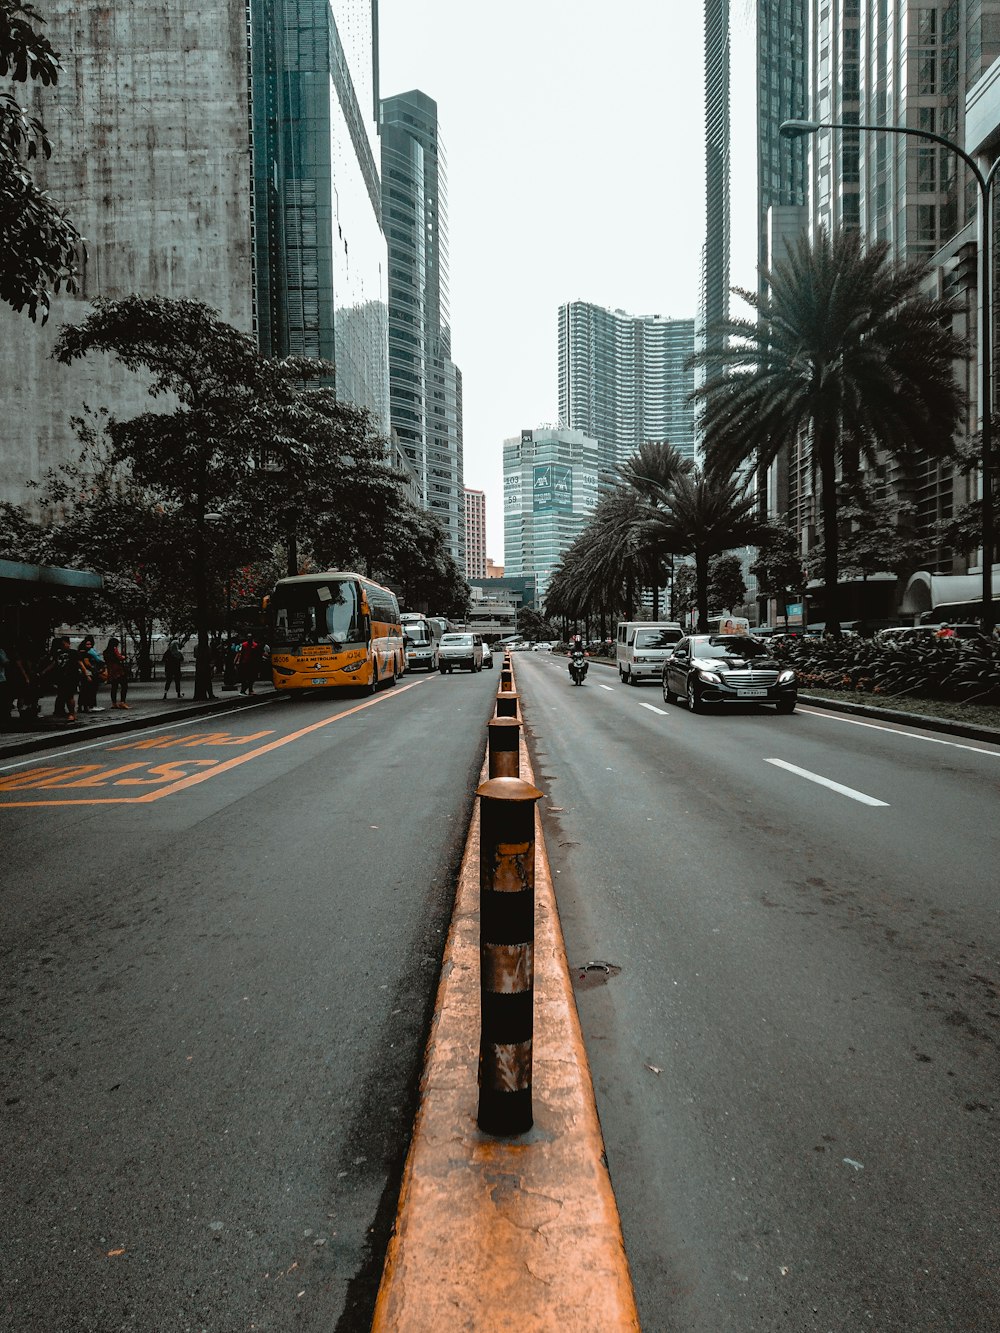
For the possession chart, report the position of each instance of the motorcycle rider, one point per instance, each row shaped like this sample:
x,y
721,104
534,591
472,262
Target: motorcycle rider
x,y
577,660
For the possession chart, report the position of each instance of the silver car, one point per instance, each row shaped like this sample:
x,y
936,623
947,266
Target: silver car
x,y
460,650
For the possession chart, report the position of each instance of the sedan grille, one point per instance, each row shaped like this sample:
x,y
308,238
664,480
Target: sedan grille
x,y
742,678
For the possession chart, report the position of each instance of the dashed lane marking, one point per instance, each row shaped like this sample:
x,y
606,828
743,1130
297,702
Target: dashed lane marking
x,y
601,686
653,709
899,730
827,782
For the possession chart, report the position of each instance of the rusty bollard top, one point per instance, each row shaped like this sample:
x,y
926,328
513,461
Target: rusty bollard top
x,y
508,789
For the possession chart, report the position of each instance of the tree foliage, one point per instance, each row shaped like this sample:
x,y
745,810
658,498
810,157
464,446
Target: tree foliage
x,y
727,587
39,245
846,350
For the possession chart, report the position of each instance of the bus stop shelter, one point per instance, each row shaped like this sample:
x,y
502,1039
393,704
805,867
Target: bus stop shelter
x,y
34,598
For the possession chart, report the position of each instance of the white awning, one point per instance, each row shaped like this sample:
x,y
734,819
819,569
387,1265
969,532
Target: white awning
x,y
926,592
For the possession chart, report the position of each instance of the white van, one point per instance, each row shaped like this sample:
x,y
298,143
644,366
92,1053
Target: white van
x,y
643,646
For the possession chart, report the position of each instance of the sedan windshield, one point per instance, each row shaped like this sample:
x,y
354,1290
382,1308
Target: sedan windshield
x,y
729,645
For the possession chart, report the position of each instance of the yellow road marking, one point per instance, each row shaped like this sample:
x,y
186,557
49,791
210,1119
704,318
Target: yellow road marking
x,y
177,783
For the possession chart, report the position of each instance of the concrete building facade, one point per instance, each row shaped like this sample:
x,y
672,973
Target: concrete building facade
x,y
624,379
475,533
425,384
550,479
149,126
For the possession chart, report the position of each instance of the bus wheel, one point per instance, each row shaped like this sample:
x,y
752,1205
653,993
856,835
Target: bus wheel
x,y
373,685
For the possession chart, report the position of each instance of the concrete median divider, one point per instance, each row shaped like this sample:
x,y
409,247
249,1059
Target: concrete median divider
x,y
505,1233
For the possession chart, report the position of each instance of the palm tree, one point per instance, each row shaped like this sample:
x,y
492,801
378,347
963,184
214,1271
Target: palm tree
x,y
847,348
650,472
708,515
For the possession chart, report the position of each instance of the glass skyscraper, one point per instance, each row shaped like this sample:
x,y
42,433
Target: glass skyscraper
x,y
319,250
624,379
425,384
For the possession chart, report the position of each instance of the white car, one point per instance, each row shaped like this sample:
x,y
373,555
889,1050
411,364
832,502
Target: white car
x,y
460,650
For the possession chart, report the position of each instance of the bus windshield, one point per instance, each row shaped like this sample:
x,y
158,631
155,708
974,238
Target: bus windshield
x,y
316,612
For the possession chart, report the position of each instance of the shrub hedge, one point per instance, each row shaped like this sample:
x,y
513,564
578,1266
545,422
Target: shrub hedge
x,y
964,670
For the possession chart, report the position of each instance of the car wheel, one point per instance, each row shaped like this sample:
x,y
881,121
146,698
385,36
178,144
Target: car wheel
x,y
621,675
633,679
442,669
786,706
694,698
668,695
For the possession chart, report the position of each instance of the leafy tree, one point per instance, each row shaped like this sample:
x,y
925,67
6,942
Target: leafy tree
x,y
39,245
778,568
685,591
244,438
533,626
726,584
847,348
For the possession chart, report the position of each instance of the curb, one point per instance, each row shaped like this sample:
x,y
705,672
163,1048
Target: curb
x,y
50,740
965,729
495,1234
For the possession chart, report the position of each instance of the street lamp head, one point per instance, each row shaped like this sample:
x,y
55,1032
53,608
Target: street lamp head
x,y
795,129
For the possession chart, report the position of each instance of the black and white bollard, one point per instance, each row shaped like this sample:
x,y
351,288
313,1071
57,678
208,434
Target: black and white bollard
x,y
506,953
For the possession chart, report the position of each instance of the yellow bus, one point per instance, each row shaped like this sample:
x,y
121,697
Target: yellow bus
x,y
334,629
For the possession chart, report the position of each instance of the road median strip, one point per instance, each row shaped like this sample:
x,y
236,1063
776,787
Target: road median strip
x,y
505,1233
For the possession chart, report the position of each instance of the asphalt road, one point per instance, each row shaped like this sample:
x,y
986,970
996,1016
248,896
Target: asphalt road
x,y
221,942
796,1064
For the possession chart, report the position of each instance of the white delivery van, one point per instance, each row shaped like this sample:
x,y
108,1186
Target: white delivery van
x,y
643,646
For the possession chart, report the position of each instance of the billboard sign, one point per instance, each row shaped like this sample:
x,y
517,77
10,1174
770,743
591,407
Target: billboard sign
x,y
552,488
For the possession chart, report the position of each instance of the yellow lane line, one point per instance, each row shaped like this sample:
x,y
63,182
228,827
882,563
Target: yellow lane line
x,y
183,783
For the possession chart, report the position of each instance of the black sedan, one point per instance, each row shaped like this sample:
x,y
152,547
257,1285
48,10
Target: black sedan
x,y
727,669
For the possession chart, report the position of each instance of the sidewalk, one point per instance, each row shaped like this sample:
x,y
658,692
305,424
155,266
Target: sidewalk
x,y
146,708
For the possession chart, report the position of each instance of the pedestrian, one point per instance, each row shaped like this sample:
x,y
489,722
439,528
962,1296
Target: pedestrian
x,y
204,655
60,670
92,674
116,665
248,663
6,686
172,659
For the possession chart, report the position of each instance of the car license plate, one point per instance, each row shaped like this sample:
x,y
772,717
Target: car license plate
x,y
751,694
319,680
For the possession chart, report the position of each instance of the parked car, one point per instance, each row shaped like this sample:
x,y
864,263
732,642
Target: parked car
x,y
487,655
460,650
907,633
709,669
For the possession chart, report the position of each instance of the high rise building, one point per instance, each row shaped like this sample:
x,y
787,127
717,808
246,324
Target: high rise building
x,y
900,63
321,280
755,77
550,479
237,166
475,534
425,384
624,379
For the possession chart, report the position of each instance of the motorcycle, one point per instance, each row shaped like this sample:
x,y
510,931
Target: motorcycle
x,y
578,666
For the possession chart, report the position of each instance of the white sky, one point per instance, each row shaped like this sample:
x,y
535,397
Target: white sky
x,y
575,144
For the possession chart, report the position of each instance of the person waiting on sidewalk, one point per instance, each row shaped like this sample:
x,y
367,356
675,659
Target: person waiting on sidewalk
x,y
91,674
6,687
249,663
60,671
117,669
172,659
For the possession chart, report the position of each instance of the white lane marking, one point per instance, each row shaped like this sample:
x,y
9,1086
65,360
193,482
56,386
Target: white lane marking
x,y
827,782
609,688
653,709
900,730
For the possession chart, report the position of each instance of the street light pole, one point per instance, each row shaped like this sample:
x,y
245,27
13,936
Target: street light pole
x,y
796,128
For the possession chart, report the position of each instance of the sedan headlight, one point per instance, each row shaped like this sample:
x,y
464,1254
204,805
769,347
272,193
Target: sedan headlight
x,y
711,677
786,677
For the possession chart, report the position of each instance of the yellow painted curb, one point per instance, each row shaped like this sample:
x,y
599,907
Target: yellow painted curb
x,y
505,1234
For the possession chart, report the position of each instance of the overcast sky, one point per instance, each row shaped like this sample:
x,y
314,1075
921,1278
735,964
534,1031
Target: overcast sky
x,y
574,136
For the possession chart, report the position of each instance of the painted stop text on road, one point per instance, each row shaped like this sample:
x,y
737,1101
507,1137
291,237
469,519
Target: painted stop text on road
x,y
151,767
